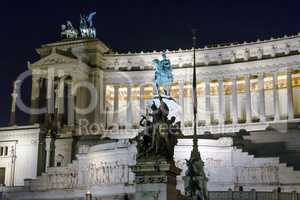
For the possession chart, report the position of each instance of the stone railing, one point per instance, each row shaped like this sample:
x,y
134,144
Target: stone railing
x,y
253,195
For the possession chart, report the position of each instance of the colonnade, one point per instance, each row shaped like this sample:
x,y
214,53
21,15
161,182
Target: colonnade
x,y
55,91
221,112
55,95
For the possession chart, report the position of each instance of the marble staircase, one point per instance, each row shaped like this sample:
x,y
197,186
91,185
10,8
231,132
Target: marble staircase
x,y
279,140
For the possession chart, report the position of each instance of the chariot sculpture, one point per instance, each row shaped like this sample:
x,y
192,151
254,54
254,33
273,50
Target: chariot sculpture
x,y
68,31
86,27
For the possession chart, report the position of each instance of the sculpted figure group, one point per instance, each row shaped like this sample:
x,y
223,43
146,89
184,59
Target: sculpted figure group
x,y
159,136
108,173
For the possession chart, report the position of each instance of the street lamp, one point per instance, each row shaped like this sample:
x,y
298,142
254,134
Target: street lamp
x,y
88,195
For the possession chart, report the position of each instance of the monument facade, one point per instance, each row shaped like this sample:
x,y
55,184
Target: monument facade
x,y
248,113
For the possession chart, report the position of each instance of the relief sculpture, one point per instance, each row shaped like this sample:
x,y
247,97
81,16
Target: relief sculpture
x,y
108,173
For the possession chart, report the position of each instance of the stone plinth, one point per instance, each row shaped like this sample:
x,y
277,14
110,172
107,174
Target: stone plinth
x,y
155,180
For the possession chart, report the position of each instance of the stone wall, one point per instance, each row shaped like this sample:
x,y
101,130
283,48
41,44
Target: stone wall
x,y
21,161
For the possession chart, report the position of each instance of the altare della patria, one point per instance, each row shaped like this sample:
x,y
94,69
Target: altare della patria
x,y
219,122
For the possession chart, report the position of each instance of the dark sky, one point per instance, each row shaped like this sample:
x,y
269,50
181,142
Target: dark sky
x,y
134,25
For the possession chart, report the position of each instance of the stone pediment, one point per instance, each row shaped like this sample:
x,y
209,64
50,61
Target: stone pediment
x,y
53,59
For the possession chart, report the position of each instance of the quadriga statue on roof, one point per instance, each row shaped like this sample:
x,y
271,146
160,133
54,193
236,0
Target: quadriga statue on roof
x,y
163,74
87,28
68,31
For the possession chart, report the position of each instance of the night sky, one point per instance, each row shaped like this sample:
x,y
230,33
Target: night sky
x,y
134,26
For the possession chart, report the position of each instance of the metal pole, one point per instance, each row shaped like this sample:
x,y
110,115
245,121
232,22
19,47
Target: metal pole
x,y
195,143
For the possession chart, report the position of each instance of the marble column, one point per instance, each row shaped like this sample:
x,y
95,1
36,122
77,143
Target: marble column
x,y
129,107
71,103
261,98
75,92
47,149
35,94
234,101
61,92
13,165
290,95
50,95
104,108
97,115
14,96
116,105
275,97
221,101
142,99
248,106
207,102
81,100
181,99
101,87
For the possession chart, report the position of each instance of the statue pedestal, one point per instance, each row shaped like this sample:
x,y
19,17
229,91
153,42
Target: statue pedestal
x,y
155,180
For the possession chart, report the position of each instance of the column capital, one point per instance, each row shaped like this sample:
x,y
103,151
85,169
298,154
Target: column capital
x,y
38,72
181,81
247,76
69,82
36,77
260,75
206,80
61,73
233,78
220,79
116,86
142,86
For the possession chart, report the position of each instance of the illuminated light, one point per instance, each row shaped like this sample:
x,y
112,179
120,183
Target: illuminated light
x,y
88,195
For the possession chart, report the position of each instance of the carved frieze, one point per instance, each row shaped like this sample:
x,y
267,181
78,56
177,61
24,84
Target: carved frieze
x,y
100,173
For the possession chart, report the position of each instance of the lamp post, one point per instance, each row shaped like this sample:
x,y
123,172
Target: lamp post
x,y
88,195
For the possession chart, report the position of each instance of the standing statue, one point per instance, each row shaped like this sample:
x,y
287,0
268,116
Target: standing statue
x,y
195,179
68,31
87,28
163,74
